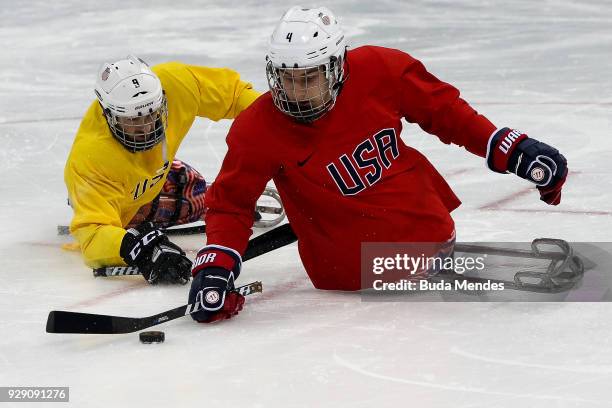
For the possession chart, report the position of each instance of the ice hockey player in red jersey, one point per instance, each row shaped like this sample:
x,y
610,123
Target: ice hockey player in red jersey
x,y
328,134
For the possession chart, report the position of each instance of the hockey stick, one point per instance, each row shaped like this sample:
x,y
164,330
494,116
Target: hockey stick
x,y
179,230
264,243
75,322
88,323
201,229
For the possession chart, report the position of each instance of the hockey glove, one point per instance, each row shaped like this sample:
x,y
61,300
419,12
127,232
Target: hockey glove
x,y
158,259
510,150
214,272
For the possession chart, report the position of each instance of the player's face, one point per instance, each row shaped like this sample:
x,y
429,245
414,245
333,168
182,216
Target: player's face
x,y
307,87
138,128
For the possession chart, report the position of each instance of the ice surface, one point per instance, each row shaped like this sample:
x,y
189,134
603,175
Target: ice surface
x,y
543,67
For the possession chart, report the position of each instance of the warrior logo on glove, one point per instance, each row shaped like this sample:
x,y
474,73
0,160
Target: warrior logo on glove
x,y
512,151
537,173
212,297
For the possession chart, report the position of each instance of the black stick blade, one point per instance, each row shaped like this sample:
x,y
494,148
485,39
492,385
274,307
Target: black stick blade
x,y
75,322
89,323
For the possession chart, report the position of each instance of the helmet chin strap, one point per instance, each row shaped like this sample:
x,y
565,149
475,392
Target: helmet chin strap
x,y
345,73
164,150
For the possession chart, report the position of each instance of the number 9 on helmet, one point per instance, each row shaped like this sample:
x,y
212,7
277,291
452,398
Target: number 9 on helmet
x,y
305,63
133,102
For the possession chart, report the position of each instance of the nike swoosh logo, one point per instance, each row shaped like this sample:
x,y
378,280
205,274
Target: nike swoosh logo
x,y
303,162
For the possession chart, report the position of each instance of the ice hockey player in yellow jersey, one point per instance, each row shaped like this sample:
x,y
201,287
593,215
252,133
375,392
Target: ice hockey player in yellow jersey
x,y
122,177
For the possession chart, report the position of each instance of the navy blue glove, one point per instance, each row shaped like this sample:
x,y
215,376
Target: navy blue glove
x,y
158,259
212,288
510,150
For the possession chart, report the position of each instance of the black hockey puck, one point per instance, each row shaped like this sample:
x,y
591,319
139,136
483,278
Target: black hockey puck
x,y
149,337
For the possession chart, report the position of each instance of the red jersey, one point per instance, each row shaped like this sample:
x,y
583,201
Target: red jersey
x,y
347,178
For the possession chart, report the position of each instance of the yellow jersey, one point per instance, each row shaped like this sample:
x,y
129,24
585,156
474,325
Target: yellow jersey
x,y
107,184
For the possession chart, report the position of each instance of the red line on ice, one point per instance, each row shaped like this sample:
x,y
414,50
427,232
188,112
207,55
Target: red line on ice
x,y
109,295
279,289
265,295
497,204
458,172
579,212
578,103
494,205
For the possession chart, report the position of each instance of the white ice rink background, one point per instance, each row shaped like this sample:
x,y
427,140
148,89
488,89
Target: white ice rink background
x,y
540,66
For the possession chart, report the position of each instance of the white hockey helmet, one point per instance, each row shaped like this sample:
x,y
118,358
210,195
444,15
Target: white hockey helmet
x,y
304,42
133,102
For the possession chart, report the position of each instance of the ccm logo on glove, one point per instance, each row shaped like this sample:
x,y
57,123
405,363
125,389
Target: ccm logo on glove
x,y
158,259
143,243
